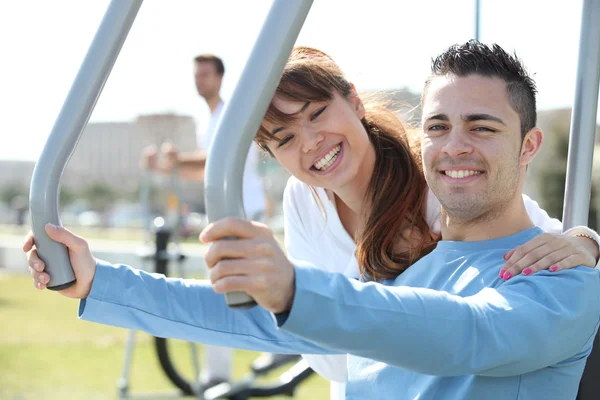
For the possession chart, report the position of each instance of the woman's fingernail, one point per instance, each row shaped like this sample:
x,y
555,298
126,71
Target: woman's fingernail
x,y
36,265
502,271
527,271
506,256
507,275
554,268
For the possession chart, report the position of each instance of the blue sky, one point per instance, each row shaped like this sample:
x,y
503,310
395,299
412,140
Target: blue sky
x,y
380,44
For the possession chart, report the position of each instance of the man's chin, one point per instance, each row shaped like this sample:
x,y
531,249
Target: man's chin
x,y
460,207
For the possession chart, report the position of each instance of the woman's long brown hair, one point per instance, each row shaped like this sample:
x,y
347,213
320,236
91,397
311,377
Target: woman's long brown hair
x,y
397,189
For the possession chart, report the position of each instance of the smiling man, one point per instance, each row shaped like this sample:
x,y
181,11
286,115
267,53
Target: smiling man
x,y
479,134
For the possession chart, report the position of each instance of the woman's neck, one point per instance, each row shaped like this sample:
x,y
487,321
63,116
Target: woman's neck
x,y
351,199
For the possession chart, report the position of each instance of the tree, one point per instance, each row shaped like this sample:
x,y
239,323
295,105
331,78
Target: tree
x,y
66,197
99,196
9,192
552,178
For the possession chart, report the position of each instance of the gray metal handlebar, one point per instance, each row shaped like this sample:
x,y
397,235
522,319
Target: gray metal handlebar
x,y
583,121
243,114
72,119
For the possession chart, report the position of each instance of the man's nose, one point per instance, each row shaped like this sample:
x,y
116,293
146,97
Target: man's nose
x,y
457,143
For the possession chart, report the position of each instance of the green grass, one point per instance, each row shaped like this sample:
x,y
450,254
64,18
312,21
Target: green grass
x,y
47,353
118,234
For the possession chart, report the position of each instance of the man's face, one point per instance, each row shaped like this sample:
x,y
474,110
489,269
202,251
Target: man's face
x,y
471,146
208,82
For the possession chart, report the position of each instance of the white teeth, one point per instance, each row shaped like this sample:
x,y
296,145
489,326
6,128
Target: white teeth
x,y
328,159
461,174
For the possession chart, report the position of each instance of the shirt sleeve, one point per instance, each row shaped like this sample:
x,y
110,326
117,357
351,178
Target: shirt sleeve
x,y
184,309
526,324
540,217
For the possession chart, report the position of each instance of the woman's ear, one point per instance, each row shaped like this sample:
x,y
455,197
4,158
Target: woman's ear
x,y
531,145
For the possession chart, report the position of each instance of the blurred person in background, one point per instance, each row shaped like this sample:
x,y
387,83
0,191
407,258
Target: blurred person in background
x,y
208,77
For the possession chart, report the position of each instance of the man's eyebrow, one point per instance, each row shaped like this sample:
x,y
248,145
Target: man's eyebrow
x,y
441,117
481,117
304,107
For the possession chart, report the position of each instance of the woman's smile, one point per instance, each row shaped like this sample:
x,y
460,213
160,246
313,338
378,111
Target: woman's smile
x,y
329,161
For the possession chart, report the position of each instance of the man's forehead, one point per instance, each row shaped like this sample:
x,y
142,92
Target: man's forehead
x,y
204,66
450,94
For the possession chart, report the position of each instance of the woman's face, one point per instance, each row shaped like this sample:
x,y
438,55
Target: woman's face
x,y
326,144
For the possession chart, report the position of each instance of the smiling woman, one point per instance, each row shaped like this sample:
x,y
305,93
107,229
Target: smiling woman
x,y
318,128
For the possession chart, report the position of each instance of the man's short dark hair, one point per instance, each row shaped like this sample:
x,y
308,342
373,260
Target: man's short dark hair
x,y
211,58
492,61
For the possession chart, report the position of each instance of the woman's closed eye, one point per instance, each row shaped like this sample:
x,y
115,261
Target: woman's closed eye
x,y
316,114
286,139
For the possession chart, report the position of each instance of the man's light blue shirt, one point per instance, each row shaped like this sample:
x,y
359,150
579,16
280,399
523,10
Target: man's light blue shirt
x,y
446,328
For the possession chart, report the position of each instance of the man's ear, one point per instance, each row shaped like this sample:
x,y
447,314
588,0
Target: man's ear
x,y
531,145
357,103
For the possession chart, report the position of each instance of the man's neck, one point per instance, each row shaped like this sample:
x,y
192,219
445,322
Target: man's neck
x,y
213,102
511,220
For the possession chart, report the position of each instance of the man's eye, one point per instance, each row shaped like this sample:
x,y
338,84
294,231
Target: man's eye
x,y
484,129
284,141
436,128
317,113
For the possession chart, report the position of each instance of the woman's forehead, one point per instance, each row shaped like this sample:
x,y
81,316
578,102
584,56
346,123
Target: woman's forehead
x,y
288,106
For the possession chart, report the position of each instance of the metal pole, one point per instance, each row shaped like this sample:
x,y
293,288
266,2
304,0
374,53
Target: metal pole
x,y
477,19
583,120
580,161
69,125
243,114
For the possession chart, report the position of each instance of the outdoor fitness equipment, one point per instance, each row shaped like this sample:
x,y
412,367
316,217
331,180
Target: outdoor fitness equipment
x,y
578,187
240,122
160,250
75,112
156,252
242,116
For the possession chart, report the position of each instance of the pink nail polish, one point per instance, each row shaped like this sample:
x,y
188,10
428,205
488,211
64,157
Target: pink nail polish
x,y
527,271
507,276
506,258
501,274
553,268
